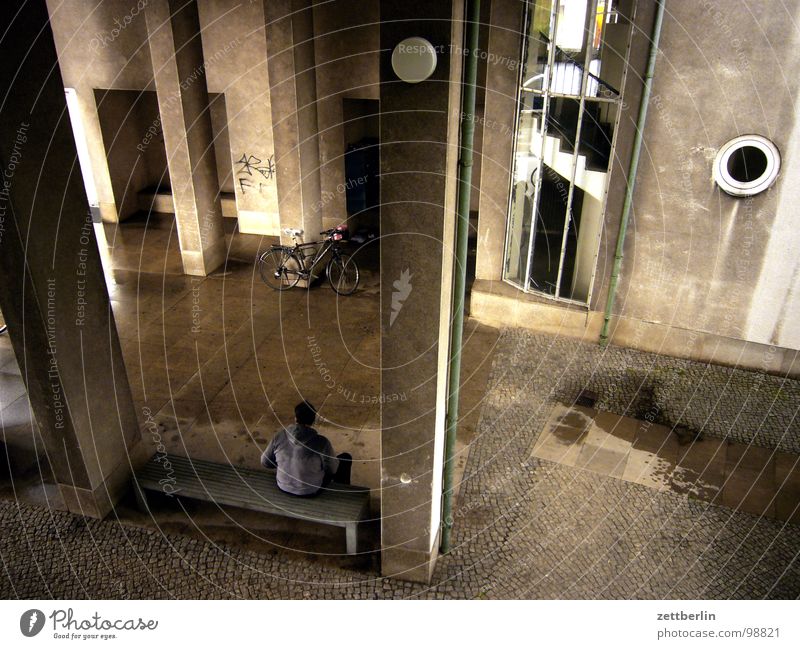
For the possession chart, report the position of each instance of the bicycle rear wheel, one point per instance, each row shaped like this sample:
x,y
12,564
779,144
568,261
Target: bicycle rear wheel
x,y
280,269
343,274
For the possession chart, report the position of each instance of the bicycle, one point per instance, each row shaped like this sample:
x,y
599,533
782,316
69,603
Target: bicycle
x,y
282,267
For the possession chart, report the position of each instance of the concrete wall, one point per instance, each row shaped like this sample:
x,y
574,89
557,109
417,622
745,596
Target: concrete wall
x,y
103,45
290,54
124,115
235,49
480,106
100,45
346,42
703,272
222,143
497,142
698,258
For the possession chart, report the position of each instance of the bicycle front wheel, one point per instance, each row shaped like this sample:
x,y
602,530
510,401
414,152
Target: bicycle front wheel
x,y
279,268
343,274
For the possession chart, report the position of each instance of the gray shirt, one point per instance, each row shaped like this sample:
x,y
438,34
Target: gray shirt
x,y
303,458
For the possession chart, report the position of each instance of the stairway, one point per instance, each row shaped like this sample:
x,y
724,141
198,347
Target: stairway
x,y
590,171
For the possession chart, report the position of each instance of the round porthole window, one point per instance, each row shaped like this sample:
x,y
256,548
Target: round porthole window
x,y
747,165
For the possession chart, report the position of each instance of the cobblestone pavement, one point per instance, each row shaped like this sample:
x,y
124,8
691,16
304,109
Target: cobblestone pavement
x,y
524,527
751,407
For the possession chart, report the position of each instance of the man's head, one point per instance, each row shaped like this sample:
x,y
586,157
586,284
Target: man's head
x,y
305,413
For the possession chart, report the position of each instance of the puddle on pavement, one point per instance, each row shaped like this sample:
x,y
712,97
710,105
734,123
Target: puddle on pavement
x,y
650,455
689,482
571,428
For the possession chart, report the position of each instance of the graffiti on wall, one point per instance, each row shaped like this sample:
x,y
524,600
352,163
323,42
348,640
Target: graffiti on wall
x,y
253,173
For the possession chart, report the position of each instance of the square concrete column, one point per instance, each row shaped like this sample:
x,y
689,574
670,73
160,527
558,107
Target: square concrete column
x,y
419,151
235,45
176,51
293,100
52,287
95,53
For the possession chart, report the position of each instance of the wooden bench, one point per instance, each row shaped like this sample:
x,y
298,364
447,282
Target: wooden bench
x,y
338,505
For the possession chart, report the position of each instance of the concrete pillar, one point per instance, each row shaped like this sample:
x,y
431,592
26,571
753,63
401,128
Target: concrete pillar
x,y
293,96
235,45
419,150
176,51
498,142
109,211
346,43
52,288
94,53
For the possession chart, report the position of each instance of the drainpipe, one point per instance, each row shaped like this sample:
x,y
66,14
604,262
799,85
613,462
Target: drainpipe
x,y
459,283
635,154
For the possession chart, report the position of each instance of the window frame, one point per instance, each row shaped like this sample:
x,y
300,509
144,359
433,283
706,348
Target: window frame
x,y
547,94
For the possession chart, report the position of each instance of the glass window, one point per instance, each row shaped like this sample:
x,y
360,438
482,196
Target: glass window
x,y
574,54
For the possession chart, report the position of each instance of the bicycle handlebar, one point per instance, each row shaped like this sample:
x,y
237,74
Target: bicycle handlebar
x,y
338,233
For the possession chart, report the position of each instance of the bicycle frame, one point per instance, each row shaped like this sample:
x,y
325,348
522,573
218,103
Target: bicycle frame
x,y
325,246
308,267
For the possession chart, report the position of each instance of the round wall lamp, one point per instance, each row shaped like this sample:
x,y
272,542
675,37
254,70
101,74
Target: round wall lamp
x,y
747,165
414,59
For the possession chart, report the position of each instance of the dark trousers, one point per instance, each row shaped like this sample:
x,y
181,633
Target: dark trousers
x,y
342,475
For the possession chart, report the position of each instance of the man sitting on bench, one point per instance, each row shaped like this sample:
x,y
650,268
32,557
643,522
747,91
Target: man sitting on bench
x,y
304,458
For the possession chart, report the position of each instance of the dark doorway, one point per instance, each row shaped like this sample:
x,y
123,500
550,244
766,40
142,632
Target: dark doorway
x,y
362,164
